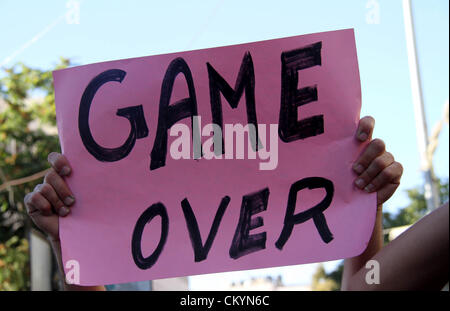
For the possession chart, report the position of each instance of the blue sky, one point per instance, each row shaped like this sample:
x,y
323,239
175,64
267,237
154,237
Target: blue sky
x,y
109,30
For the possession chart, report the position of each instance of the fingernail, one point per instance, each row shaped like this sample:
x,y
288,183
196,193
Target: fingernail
x,y
69,200
359,182
63,211
369,188
358,168
65,171
362,136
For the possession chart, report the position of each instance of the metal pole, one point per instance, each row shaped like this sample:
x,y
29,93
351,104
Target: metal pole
x,y
41,263
431,192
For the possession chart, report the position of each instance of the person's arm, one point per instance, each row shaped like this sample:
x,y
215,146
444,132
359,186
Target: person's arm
x,y
376,171
56,246
355,264
49,201
416,260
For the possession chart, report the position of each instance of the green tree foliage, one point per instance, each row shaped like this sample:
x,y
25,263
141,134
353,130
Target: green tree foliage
x,y
14,264
321,281
27,116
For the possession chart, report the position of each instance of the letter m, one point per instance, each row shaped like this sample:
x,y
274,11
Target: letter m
x,y
245,82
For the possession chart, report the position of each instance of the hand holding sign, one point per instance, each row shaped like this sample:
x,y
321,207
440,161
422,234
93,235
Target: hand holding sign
x,y
377,169
202,208
40,204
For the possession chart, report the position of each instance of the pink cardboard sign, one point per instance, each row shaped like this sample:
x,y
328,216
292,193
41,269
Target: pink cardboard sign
x,y
163,187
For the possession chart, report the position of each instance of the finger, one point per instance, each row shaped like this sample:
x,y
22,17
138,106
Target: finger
x,y
27,200
390,174
374,149
42,217
59,163
365,128
50,194
60,186
374,169
36,203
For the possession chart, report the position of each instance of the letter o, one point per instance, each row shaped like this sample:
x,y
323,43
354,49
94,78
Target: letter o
x,y
145,218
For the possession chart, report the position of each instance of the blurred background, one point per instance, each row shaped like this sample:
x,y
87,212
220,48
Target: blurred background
x,y
403,53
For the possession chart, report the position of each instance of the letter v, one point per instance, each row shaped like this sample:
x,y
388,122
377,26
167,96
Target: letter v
x,y
201,251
